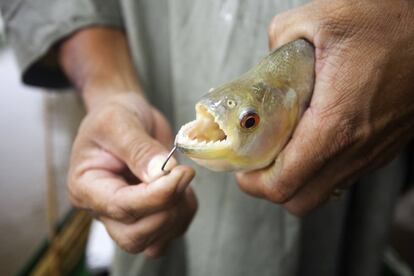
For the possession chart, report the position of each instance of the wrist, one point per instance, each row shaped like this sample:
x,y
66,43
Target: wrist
x,y
98,62
95,92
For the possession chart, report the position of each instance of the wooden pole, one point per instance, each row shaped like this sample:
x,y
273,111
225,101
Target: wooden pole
x,y
51,195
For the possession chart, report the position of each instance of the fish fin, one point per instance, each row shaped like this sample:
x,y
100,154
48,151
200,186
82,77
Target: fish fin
x,y
263,88
291,99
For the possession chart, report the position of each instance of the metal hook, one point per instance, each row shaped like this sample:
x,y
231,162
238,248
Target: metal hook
x,y
168,158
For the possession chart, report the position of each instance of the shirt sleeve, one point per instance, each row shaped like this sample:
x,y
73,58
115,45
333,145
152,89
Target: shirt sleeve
x,y
34,28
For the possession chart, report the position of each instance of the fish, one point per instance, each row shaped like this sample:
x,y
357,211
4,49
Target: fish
x,y
243,125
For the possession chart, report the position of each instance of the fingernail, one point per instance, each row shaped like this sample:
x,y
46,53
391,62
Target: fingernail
x,y
154,166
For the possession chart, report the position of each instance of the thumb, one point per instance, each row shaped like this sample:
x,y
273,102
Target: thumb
x,y
305,155
129,141
291,25
145,156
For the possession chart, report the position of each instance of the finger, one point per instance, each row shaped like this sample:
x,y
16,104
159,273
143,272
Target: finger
x,y
312,145
135,237
291,25
127,138
110,196
251,182
308,198
154,230
184,214
157,249
145,199
94,189
318,191
145,157
335,176
179,217
313,194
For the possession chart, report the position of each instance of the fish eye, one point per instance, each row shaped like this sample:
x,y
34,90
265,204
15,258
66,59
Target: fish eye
x,y
249,120
231,103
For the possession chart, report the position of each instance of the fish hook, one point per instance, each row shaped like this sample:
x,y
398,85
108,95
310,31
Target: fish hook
x,y
168,158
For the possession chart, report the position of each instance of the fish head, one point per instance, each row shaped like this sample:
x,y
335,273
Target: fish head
x,y
244,124
234,129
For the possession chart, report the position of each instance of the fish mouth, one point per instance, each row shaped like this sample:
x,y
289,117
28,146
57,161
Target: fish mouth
x,y
205,134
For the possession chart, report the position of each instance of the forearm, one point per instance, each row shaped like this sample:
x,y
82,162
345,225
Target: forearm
x,y
98,62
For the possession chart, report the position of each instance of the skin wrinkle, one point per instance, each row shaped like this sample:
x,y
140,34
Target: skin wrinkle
x,y
119,211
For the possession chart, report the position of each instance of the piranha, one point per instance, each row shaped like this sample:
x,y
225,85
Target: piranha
x,y
243,125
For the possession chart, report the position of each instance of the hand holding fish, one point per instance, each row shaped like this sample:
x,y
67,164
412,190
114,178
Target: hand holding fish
x,y
362,109
122,142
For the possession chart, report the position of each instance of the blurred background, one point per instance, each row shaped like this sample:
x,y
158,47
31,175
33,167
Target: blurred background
x,y
37,129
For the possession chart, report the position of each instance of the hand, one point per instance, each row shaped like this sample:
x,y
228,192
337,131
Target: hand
x,y
362,110
115,173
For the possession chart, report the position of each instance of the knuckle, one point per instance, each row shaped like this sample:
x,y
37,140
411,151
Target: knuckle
x,y
243,183
185,224
168,218
139,150
107,116
344,136
75,194
297,210
115,212
74,200
368,159
336,17
338,133
271,29
337,27
132,241
131,246
113,118
277,21
191,203
192,211
277,193
166,197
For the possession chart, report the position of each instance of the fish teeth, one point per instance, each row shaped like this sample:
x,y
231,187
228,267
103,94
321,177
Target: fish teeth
x,y
183,139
